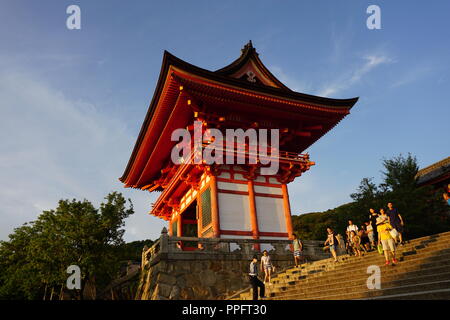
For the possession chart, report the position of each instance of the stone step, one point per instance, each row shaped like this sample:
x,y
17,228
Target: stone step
x,y
394,272
423,267
355,260
443,294
330,280
365,294
435,266
409,246
375,259
391,282
418,265
387,281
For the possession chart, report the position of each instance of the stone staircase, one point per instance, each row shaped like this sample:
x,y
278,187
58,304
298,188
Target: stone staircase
x,y
423,272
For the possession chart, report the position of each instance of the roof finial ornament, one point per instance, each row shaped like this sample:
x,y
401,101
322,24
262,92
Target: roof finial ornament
x,y
248,46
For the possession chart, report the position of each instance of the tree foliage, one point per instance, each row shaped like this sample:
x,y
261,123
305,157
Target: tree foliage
x,y
35,259
422,208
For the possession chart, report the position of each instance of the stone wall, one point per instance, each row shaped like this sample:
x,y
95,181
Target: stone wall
x,y
212,272
208,278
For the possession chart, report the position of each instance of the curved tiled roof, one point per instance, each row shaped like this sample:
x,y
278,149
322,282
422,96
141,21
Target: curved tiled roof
x,y
434,172
269,89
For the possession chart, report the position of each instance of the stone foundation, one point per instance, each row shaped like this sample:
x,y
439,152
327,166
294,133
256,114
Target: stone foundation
x,y
214,272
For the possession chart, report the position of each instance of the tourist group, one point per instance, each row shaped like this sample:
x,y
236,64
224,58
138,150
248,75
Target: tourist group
x,y
382,231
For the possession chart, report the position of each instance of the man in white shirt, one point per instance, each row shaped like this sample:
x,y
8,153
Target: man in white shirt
x,y
351,227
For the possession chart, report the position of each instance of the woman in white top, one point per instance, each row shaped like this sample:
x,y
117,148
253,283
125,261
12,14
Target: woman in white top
x,y
266,265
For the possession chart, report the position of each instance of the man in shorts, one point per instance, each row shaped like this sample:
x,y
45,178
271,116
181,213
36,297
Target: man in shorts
x,y
298,248
332,242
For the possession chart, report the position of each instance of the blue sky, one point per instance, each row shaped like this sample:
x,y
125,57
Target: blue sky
x,y
72,101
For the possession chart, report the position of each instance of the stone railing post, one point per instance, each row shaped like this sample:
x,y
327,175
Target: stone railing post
x,y
246,247
164,241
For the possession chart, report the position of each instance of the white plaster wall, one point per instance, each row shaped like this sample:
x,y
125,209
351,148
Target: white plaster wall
x,y
270,214
269,190
225,175
234,212
230,236
261,179
232,186
273,180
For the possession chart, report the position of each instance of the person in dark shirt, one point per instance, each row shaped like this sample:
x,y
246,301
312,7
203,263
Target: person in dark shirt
x,y
254,281
373,221
396,221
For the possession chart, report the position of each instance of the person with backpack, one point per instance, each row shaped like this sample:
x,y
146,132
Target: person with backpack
x,y
298,248
333,243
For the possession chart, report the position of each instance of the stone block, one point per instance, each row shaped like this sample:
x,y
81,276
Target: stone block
x,y
192,279
175,293
181,281
238,283
208,278
222,285
215,266
201,292
197,267
163,290
213,292
186,293
166,278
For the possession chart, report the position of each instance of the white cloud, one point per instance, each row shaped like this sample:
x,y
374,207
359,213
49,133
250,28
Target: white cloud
x,y
344,82
412,74
289,81
353,77
52,148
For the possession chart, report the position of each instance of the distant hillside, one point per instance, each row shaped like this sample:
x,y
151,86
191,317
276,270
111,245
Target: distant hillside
x,y
312,226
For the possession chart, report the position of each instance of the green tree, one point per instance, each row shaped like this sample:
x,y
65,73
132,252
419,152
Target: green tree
x,y
423,211
34,261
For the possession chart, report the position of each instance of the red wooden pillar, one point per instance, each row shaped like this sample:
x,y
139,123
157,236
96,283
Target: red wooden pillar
x,y
214,207
199,216
253,213
287,210
180,226
170,227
